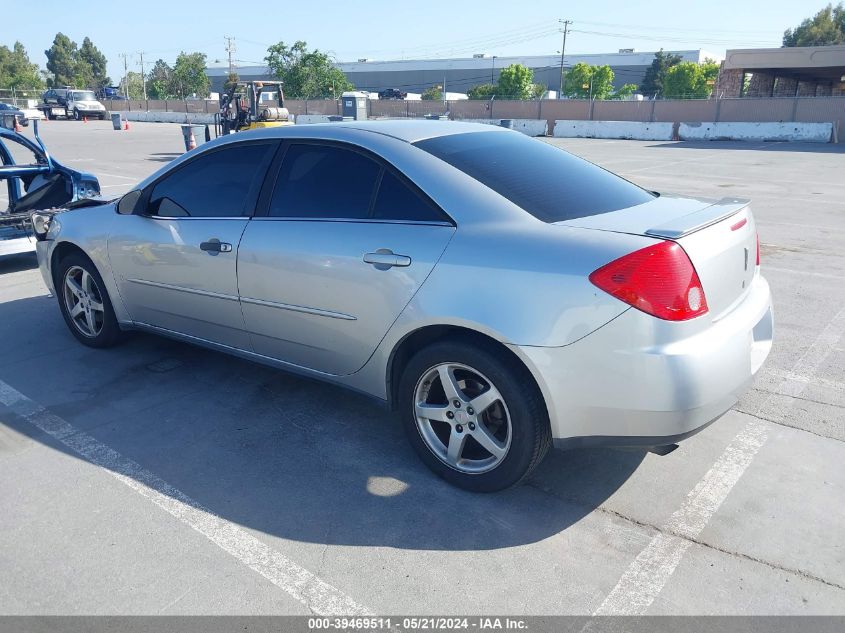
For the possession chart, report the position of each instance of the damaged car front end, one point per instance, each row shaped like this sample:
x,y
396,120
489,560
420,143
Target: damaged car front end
x,y
35,182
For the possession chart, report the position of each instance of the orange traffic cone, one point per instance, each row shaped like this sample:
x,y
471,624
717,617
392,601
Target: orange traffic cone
x,y
192,142
85,119
126,125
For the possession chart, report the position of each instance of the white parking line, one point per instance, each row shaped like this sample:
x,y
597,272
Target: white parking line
x,y
320,597
804,273
647,575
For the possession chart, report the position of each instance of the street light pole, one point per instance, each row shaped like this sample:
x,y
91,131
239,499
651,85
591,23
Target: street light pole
x,y
566,24
493,71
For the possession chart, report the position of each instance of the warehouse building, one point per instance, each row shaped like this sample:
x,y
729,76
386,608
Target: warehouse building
x,y
461,74
802,71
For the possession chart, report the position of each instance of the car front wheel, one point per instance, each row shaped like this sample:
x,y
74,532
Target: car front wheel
x,y
76,114
474,415
84,302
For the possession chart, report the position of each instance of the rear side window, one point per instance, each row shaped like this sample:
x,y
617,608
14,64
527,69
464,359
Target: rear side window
x,y
547,182
222,183
324,181
397,201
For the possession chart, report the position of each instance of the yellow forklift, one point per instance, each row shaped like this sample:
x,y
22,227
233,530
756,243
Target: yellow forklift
x,y
242,107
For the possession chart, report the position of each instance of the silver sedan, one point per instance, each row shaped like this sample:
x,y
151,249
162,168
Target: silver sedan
x,y
502,295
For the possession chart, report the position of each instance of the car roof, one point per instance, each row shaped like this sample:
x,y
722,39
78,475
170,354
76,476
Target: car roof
x,y
408,130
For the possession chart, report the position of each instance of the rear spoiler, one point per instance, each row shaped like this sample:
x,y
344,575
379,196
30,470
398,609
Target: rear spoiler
x,y
686,224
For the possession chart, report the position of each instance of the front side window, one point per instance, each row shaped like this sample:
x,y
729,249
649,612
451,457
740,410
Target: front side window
x,y
221,183
324,181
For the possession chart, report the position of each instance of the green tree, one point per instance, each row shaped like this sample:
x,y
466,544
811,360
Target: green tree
x,y
516,82
584,81
825,28
62,61
538,90
435,93
483,91
689,80
16,71
134,82
160,81
232,80
189,75
91,64
306,74
625,91
652,85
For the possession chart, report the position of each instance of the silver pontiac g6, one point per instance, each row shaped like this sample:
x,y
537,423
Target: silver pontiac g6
x,y
501,294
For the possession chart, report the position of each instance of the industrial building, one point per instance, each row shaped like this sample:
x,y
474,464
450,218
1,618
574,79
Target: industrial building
x,y
461,74
801,71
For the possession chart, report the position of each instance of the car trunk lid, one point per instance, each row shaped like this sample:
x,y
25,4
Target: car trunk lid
x,y
720,238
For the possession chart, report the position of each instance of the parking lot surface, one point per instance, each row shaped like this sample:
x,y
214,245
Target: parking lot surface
x,y
160,478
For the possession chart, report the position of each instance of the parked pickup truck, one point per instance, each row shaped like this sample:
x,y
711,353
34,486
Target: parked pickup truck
x,y
70,102
31,180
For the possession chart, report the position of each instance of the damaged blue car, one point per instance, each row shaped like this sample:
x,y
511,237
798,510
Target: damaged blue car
x,y
34,181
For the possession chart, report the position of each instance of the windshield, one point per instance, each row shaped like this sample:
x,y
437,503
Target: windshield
x,y
84,95
549,183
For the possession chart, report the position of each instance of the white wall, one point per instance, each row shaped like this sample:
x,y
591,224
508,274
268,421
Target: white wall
x,y
635,130
801,132
531,127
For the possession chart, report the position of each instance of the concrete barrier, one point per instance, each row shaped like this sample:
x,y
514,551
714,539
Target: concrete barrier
x,y
307,119
801,132
531,127
635,130
167,117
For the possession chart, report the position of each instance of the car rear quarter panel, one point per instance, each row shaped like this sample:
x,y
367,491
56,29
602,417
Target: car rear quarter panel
x,y
520,283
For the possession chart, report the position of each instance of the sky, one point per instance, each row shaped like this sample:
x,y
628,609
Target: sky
x,y
396,29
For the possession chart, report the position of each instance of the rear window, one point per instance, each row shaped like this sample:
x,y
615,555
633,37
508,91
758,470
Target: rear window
x,y
547,182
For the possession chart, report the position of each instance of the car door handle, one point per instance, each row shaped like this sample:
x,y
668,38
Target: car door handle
x,y
385,258
214,246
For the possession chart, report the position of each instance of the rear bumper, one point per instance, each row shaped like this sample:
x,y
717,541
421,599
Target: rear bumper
x,y
640,381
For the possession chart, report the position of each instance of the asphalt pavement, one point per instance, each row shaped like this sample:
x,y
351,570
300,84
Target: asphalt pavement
x,y
160,478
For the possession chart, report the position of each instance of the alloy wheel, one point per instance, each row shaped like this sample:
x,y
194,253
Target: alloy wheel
x,y
462,418
83,301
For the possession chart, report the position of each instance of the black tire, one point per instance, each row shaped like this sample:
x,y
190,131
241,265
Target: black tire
x,y
110,333
530,434
51,116
76,116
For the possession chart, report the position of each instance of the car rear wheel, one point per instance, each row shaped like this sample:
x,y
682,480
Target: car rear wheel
x,y
76,114
84,302
474,415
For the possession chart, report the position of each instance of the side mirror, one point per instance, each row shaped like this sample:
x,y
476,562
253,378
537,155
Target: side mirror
x,y
129,203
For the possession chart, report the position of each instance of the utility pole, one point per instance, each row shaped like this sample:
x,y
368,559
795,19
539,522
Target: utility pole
x,y
566,24
125,57
231,47
143,75
493,71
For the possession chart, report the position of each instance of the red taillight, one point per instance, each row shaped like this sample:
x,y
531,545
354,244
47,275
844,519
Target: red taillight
x,y
659,280
758,249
